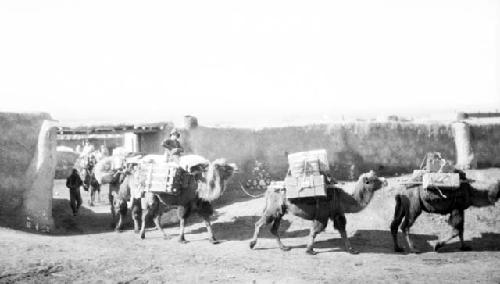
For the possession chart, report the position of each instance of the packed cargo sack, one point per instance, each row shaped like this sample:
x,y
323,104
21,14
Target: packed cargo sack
x,y
105,168
441,180
163,177
191,163
308,163
305,186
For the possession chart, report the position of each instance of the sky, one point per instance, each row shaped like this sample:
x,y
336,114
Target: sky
x,y
248,62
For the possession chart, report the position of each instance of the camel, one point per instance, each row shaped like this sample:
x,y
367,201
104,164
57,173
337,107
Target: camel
x,y
412,200
194,195
86,166
119,193
319,209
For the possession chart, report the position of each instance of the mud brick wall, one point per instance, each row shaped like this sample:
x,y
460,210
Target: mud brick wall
x,y
27,165
352,148
485,140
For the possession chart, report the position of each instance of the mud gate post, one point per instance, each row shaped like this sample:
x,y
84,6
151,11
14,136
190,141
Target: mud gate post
x,y
28,158
463,145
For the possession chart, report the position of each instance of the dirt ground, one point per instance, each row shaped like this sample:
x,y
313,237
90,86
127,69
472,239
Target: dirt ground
x,y
85,249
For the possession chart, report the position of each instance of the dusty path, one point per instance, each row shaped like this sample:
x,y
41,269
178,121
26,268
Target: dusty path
x,y
86,250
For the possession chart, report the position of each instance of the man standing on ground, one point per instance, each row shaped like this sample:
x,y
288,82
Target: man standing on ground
x,y
73,182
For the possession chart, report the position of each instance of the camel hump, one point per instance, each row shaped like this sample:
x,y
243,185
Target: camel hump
x,y
189,161
152,158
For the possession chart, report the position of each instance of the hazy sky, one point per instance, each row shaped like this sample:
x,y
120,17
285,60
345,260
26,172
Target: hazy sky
x,y
247,60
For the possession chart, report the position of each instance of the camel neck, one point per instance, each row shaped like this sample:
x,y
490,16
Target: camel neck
x,y
482,198
361,198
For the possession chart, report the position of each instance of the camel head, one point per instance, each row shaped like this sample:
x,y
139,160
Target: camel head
x,y
219,171
223,168
485,193
494,192
369,181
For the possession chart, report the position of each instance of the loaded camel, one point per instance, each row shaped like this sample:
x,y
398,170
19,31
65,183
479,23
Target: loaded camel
x,y
412,200
196,190
95,173
195,195
334,207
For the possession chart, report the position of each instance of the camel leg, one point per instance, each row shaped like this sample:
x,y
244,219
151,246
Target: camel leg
x,y
456,220
182,240
274,231
405,228
113,213
119,225
182,213
157,224
398,217
211,237
145,213
99,194
136,213
316,228
92,196
258,225
339,223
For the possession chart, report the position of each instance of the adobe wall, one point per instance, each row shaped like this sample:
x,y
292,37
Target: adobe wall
x,y
485,140
27,158
353,148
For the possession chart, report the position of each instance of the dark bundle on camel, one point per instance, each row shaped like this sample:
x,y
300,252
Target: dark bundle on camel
x,y
412,200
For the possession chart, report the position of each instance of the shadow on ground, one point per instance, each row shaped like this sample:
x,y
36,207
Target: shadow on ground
x,y
376,241
487,242
242,228
86,222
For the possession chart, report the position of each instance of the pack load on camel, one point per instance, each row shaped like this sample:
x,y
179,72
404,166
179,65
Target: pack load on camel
x,y
306,176
164,177
436,173
106,168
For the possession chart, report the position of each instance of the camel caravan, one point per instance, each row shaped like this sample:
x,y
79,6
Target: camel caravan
x,y
141,184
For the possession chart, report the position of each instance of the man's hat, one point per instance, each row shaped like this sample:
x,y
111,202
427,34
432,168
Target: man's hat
x,y
176,132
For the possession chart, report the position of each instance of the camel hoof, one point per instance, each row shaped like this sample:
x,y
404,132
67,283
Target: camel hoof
x,y
118,230
398,249
252,244
415,251
438,246
465,248
136,231
311,252
214,241
143,236
285,248
353,251
183,241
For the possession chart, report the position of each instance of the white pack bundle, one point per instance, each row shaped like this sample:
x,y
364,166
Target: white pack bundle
x,y
308,163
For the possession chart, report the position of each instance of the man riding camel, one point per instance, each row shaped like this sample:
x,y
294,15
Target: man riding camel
x,y
173,148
